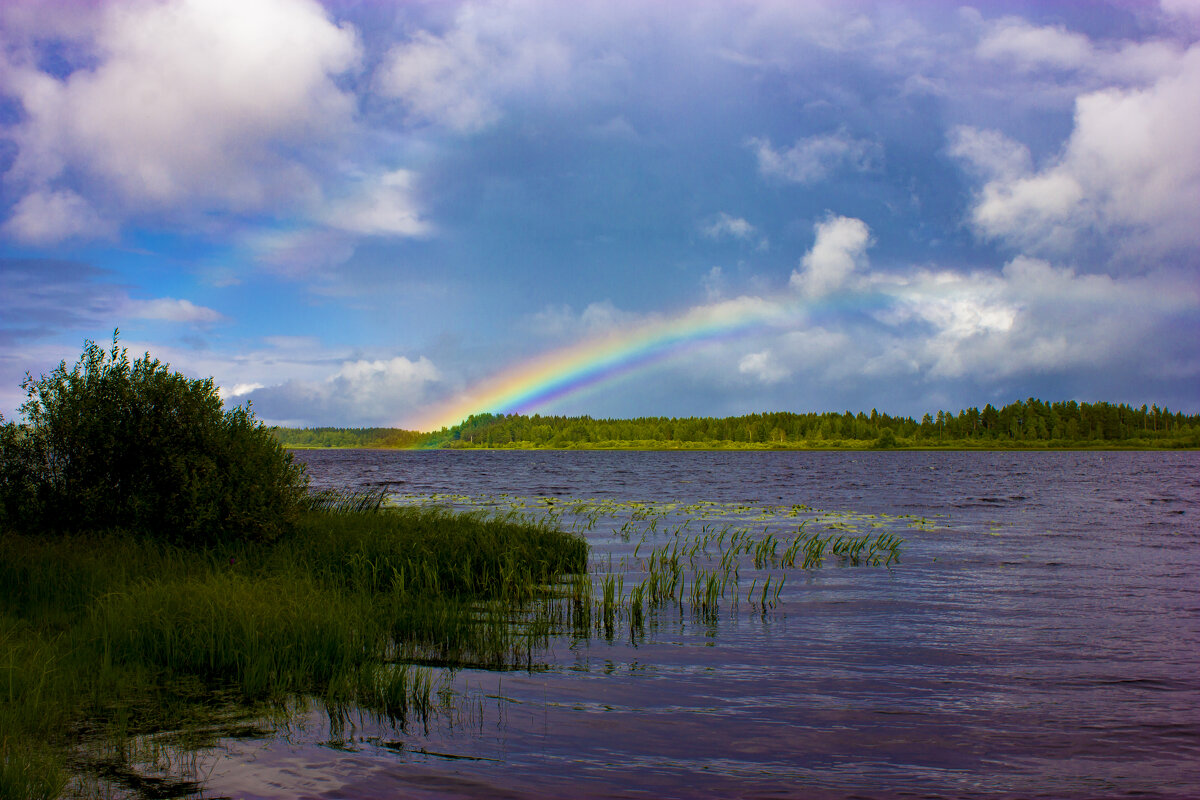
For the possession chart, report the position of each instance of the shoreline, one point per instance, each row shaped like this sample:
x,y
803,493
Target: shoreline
x,y
760,447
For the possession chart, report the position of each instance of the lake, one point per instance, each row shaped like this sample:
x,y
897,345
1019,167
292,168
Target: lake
x,y
1039,636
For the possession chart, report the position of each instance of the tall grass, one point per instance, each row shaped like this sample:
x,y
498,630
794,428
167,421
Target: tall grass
x,y
112,637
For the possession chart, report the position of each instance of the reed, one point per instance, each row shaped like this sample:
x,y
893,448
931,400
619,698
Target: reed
x,y
143,635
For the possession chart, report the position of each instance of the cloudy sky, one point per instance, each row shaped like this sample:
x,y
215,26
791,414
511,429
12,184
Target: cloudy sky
x,y
365,213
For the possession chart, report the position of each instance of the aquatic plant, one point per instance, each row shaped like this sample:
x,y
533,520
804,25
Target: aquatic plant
x,y
351,608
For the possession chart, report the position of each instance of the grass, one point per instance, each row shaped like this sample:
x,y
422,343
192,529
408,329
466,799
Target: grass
x,y
109,638
130,645
691,555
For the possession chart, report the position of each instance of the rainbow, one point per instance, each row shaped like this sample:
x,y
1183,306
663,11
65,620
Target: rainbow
x,y
571,369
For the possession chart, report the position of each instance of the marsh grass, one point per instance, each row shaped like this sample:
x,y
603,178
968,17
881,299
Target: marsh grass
x,y
136,646
112,639
691,556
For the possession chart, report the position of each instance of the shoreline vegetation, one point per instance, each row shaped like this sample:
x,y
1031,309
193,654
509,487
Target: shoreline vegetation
x,y
114,640
168,576
1023,425
166,572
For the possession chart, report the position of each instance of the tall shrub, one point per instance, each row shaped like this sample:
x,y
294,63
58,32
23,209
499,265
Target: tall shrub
x,y
114,444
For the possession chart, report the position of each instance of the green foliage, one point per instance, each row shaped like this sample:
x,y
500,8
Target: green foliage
x,y
114,635
1028,423
886,440
311,438
114,444
29,774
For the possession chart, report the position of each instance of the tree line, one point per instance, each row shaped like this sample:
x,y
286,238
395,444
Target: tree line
x,y
1031,421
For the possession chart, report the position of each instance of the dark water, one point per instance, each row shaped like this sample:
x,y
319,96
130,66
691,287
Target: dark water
x,y
1040,638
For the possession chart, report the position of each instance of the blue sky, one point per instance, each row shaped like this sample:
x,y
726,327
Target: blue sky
x,y
351,213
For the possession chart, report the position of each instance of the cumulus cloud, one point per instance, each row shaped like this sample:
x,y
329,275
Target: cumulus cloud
x,y
1015,42
762,367
383,206
1029,45
1130,168
815,158
557,321
936,326
290,380
44,217
459,78
839,250
360,392
1033,317
990,154
186,103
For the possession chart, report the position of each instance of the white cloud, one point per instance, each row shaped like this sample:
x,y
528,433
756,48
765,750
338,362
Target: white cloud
x,y
45,216
42,297
762,367
1041,211
713,283
815,158
1029,46
439,79
190,102
933,325
1130,169
397,373
297,381
728,226
1182,8
238,390
1031,318
990,154
558,321
171,310
384,206
460,78
359,392
839,250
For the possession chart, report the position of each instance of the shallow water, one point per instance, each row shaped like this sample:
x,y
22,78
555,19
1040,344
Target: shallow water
x,y
1039,638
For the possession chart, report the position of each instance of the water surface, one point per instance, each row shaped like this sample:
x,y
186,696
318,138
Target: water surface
x,y
1038,639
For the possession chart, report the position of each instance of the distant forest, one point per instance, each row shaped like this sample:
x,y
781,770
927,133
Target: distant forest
x,y
1028,423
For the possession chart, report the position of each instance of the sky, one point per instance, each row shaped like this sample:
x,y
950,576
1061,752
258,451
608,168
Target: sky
x,y
397,214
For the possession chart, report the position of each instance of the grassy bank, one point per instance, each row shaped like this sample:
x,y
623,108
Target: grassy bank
x,y
109,637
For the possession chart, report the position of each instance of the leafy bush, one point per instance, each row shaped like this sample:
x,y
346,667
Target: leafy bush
x,y
110,444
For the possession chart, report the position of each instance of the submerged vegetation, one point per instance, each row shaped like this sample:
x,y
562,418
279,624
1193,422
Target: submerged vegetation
x,y
1029,423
